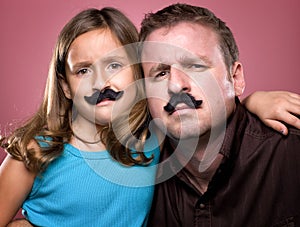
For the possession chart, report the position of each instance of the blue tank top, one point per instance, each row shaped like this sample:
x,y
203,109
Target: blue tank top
x,y
91,189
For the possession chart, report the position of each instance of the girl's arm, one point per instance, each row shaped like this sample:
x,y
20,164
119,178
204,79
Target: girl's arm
x,y
275,108
15,184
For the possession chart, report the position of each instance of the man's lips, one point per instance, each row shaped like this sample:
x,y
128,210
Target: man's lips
x,y
181,109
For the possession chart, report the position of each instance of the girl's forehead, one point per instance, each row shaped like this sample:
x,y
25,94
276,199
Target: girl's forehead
x,y
102,38
93,44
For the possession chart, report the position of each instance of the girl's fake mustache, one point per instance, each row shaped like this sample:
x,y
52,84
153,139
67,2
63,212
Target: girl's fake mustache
x,y
99,96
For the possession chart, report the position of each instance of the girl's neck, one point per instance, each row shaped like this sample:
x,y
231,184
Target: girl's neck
x,y
86,137
82,146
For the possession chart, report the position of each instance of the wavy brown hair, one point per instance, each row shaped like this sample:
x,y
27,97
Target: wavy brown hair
x,y
54,116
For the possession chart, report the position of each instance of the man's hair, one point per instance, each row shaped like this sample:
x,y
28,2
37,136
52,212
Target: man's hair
x,y
177,13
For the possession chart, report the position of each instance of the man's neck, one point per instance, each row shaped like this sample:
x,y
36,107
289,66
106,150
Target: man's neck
x,y
200,159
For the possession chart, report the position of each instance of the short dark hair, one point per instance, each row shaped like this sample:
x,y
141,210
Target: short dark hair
x,y
176,13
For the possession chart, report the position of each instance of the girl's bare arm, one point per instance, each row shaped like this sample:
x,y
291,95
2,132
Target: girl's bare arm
x,y
15,184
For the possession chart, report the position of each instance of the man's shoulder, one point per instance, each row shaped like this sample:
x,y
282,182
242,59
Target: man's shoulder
x,y
258,129
262,140
259,145
254,137
293,131
245,125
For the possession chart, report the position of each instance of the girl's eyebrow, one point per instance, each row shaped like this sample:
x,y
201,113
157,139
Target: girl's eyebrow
x,y
104,60
109,58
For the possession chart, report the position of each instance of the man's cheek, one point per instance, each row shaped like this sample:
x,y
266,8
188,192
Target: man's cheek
x,y
155,106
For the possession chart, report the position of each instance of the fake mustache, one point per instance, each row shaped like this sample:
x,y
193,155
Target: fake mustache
x,y
186,98
99,96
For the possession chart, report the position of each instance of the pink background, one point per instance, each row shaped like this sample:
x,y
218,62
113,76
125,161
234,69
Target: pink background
x,y
267,32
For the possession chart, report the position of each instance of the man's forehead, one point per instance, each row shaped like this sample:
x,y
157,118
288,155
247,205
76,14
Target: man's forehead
x,y
168,54
162,51
183,39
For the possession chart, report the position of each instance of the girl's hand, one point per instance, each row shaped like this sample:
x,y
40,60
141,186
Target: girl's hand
x,y
275,108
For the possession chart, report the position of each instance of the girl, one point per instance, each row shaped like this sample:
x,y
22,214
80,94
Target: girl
x,y
59,167
60,157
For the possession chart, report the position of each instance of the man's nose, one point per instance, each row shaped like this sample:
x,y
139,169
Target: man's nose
x,y
178,82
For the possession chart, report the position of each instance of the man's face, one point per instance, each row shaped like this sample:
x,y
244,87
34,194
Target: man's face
x,y
187,58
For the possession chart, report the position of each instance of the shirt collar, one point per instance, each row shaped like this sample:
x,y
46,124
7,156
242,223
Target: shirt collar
x,y
234,130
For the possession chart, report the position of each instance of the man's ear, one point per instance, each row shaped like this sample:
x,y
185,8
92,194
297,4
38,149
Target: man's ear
x,y
66,88
237,75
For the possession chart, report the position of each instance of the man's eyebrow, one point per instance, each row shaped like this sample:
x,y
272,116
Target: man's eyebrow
x,y
195,59
81,64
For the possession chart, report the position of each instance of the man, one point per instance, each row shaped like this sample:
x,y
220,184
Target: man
x,y
221,166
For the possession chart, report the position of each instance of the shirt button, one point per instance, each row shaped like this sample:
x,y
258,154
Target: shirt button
x,y
202,206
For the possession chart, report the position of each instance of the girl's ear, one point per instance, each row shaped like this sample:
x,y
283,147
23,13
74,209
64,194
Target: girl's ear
x,y
238,78
66,88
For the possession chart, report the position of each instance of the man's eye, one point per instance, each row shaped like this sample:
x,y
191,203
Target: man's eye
x,y
197,66
161,74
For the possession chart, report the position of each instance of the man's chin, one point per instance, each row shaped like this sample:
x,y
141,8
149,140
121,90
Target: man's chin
x,y
184,135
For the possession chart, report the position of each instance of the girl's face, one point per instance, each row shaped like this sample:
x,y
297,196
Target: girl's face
x,y
96,62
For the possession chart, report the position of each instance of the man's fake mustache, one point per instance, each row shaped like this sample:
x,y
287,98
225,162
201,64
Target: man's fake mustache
x,y
186,98
99,96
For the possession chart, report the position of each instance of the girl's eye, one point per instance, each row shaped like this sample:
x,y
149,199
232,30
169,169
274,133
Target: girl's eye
x,y
113,67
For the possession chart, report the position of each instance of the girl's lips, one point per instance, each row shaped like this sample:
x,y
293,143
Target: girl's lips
x,y
105,102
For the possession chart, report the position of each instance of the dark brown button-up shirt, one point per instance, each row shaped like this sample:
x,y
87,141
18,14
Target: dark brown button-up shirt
x,y
257,184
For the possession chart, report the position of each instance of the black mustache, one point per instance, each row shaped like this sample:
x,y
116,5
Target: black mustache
x,y
186,98
99,96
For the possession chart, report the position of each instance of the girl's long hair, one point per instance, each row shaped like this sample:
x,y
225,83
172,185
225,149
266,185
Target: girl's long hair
x,y
52,122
